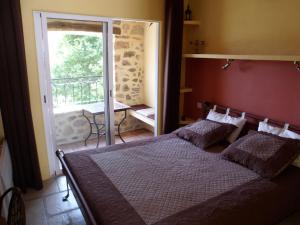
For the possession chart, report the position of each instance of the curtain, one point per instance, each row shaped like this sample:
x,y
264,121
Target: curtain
x,y
14,98
173,50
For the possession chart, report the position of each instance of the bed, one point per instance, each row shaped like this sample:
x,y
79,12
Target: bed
x,y
169,181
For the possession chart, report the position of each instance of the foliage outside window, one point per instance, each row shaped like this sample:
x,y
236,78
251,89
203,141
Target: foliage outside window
x,y
76,68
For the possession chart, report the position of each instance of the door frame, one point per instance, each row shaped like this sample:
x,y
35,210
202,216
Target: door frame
x,y
40,24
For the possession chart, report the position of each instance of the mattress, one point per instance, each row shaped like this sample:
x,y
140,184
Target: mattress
x,y
169,181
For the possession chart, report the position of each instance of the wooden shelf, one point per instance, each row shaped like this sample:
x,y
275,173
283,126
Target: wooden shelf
x,y
186,90
245,57
191,22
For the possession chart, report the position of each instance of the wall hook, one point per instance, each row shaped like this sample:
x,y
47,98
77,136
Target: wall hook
x,y
229,61
297,63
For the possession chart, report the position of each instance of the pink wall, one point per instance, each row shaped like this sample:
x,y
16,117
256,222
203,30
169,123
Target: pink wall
x,y
265,88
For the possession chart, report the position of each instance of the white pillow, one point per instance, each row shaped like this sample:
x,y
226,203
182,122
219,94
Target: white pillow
x,y
290,134
225,118
214,116
237,121
282,132
265,127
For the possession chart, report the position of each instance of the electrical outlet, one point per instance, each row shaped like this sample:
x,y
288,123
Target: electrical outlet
x,y
199,105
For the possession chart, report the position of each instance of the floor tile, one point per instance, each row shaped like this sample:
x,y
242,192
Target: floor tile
x,y
49,187
55,205
61,182
35,212
73,217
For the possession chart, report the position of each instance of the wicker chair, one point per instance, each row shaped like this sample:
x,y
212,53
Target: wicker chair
x,y
16,210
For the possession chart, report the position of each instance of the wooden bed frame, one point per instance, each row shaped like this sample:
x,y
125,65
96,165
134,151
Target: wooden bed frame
x,y
252,124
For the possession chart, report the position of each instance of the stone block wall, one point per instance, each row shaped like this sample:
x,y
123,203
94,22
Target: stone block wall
x,y
128,84
129,62
73,127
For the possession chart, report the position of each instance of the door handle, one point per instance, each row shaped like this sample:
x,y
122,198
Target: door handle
x,y
45,99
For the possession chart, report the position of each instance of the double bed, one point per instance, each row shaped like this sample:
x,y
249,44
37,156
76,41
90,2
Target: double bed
x,y
167,180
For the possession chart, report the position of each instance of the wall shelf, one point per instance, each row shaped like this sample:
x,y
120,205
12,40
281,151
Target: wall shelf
x,y
186,90
245,57
191,22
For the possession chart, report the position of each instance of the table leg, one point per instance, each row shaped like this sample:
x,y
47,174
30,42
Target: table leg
x,y
119,126
98,130
91,128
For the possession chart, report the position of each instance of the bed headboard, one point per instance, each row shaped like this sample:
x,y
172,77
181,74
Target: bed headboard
x,y
252,119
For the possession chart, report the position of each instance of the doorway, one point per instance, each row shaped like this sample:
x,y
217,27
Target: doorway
x,y
96,87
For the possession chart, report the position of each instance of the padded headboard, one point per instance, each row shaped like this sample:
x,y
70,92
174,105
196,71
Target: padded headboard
x,y
252,119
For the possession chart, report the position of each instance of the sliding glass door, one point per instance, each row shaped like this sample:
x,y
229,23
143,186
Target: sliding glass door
x,y
76,80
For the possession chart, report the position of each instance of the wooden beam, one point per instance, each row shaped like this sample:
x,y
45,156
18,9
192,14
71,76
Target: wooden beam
x,y
78,26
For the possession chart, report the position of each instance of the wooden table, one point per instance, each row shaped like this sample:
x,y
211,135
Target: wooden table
x,y
98,109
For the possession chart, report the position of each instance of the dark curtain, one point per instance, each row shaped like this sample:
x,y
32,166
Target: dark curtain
x,y
173,49
14,98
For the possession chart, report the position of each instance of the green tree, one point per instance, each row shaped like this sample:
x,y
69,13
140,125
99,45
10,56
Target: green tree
x,y
81,62
81,56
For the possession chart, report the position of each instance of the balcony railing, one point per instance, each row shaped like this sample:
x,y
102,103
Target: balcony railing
x,y
77,90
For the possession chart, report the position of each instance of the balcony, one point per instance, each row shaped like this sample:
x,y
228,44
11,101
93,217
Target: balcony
x,y
71,128
69,93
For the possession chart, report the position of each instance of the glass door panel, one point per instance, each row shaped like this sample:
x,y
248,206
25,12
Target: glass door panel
x,y
78,53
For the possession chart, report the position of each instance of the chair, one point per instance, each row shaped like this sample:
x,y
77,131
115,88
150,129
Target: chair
x,y
16,209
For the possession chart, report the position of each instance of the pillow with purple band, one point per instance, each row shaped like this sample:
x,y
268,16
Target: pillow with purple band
x,y
266,154
205,133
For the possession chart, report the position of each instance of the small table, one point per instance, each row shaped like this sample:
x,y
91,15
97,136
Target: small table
x,y
98,109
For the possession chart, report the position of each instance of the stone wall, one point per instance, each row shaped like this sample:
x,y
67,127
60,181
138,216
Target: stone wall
x,y
128,85
73,127
129,62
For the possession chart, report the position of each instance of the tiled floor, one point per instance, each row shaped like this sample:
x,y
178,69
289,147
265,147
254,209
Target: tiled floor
x,y
46,207
129,136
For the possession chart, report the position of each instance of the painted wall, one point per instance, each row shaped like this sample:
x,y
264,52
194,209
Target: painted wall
x,y
136,9
265,88
248,27
150,60
270,89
